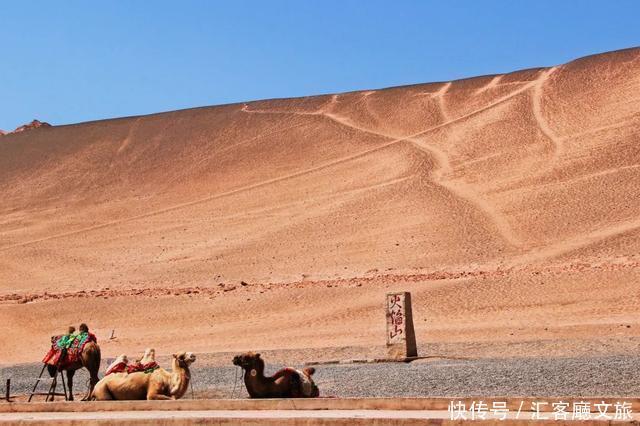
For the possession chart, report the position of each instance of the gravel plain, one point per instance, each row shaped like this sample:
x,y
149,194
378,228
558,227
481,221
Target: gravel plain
x,y
597,376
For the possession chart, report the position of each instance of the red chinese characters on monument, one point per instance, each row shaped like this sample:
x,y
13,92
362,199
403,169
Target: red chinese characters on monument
x,y
401,338
396,316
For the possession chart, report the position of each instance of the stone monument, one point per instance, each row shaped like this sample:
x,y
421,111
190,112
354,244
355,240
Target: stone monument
x,y
401,337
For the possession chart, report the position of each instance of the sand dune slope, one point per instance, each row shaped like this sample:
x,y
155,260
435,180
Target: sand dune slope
x,y
508,183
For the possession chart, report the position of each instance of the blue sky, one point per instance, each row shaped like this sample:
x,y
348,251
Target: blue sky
x,y
73,61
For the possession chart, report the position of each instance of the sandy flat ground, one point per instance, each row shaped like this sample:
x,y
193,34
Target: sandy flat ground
x,y
508,205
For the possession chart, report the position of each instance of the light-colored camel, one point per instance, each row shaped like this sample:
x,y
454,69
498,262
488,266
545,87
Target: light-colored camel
x,y
159,384
285,383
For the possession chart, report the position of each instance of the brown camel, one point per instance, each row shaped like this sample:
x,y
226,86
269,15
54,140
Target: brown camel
x,y
160,384
89,359
285,383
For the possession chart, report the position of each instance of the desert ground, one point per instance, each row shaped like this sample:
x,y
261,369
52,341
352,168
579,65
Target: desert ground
x,y
507,204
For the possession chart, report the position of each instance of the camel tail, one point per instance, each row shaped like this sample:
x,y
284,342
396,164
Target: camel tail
x,y
91,357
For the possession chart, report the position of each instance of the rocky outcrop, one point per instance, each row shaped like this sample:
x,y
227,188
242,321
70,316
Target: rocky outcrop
x,y
35,124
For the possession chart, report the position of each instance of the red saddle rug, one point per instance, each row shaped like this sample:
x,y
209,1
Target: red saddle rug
x,y
54,355
123,367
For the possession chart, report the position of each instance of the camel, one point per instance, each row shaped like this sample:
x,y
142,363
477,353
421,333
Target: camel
x,y
89,359
285,383
160,384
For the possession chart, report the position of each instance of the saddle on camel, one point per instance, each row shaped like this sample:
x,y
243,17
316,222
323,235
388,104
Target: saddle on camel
x,y
66,348
146,364
72,351
285,383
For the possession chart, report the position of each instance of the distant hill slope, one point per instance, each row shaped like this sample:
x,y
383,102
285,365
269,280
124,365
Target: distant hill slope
x,y
503,169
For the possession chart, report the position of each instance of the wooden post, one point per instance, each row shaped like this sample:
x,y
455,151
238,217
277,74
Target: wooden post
x,y
7,394
401,337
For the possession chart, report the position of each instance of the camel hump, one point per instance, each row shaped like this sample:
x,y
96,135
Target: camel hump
x,y
309,371
286,372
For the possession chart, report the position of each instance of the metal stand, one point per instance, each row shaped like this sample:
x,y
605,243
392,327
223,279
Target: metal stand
x,y
7,391
51,394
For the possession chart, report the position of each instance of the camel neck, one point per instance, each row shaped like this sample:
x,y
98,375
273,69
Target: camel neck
x,y
259,369
254,379
180,377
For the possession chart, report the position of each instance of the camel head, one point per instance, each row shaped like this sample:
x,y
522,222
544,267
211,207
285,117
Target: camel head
x,y
184,359
248,360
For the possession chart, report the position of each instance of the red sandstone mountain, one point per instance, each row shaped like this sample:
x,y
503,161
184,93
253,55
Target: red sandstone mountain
x,y
507,203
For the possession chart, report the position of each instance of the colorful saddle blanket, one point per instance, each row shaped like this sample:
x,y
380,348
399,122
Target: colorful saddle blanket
x,y
123,367
72,345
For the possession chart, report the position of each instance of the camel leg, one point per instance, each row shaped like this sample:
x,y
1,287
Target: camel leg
x,y
53,372
52,389
92,384
70,374
154,391
101,393
157,396
91,360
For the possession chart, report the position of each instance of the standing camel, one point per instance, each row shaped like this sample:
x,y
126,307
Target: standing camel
x,y
86,353
89,359
285,383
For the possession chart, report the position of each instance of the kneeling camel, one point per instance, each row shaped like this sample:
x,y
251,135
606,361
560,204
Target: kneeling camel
x,y
285,383
160,384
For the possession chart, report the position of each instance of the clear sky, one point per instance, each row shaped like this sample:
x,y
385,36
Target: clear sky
x,y
72,61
